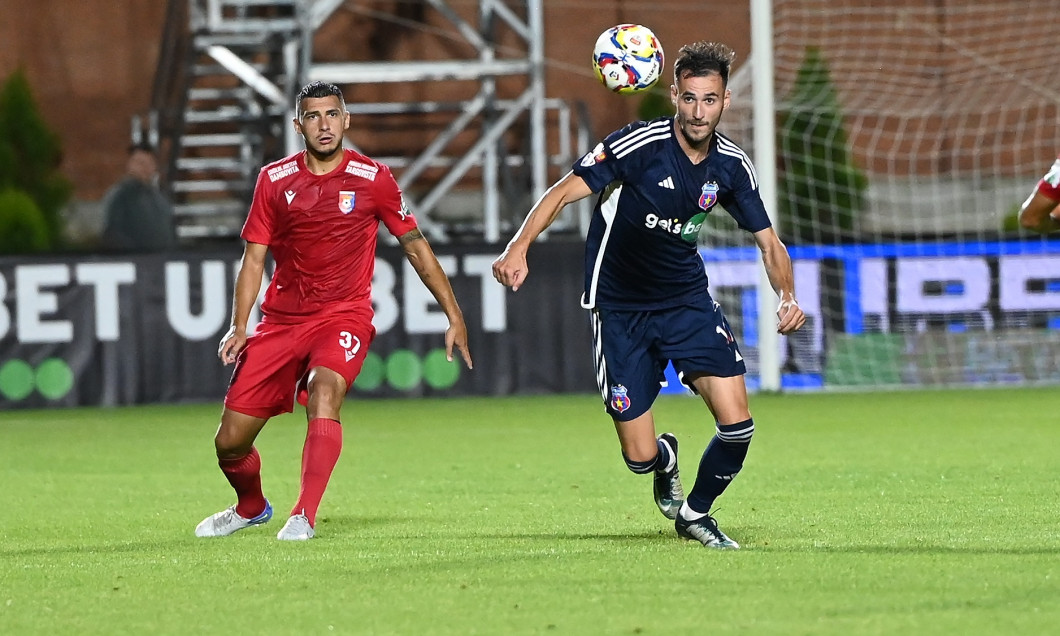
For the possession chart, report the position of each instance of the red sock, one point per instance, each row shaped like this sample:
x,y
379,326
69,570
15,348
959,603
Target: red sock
x,y
245,476
323,443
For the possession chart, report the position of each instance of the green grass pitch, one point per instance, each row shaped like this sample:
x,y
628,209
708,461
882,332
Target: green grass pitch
x,y
931,512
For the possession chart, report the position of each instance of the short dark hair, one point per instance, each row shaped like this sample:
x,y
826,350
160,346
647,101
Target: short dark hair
x,y
315,90
703,58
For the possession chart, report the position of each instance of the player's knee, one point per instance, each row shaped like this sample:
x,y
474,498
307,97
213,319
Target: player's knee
x,y
231,451
326,390
326,396
230,445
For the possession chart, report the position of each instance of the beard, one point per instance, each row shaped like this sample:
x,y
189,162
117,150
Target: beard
x,y
322,152
696,136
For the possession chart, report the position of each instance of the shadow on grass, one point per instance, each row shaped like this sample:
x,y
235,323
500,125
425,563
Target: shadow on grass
x,y
631,537
344,523
84,549
758,539
920,549
348,526
181,536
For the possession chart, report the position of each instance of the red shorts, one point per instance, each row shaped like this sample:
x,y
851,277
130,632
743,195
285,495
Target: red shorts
x,y
274,364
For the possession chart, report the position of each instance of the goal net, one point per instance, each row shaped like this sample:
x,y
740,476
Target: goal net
x,y
908,135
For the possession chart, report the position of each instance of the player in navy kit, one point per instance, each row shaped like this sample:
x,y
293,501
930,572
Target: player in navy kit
x,y
646,287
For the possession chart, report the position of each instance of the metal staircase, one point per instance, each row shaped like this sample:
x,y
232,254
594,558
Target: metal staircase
x,y
233,65
229,70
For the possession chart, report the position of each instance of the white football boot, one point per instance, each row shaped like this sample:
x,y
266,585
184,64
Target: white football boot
x,y
297,528
228,521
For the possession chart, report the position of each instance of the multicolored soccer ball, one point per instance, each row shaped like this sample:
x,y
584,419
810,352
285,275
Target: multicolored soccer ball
x,y
628,58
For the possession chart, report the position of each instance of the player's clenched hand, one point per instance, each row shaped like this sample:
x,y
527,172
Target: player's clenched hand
x,y
789,316
456,336
231,344
510,268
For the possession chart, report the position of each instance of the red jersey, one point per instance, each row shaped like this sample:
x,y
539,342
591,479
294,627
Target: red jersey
x,y
1050,183
321,231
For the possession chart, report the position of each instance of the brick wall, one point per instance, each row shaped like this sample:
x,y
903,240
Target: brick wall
x,y
91,62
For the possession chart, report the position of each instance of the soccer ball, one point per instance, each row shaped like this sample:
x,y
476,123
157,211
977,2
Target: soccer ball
x,y
628,58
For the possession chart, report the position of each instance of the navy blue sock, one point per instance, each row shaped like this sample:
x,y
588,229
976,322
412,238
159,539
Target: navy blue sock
x,y
641,468
721,462
660,461
666,455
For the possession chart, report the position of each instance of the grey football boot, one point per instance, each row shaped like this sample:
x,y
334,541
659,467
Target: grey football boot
x,y
669,495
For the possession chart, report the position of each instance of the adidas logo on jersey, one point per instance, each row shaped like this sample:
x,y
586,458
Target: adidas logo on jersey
x,y
667,183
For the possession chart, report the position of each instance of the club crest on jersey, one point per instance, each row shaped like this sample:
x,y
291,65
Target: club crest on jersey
x,y
619,400
709,196
346,201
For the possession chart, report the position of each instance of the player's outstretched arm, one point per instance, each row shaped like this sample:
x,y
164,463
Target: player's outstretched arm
x,y
1040,213
248,284
419,253
778,268
510,268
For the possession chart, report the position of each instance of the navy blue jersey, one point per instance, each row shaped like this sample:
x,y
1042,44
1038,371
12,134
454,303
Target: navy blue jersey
x,y
640,251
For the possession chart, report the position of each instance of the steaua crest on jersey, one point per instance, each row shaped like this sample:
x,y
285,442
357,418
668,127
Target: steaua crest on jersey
x,y
619,400
346,201
709,196
596,156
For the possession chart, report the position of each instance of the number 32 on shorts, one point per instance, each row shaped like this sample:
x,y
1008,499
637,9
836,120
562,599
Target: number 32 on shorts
x,y
350,343
730,340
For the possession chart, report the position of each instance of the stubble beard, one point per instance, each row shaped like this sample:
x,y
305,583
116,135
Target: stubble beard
x,y
693,141
323,154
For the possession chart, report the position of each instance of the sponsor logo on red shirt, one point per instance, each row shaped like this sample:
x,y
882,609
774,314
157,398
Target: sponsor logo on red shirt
x,y
363,170
281,171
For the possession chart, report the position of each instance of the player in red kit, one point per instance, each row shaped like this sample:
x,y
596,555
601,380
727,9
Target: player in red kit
x,y
1039,212
317,212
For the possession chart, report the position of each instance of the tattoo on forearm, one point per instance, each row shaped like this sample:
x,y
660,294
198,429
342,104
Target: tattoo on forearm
x,y
411,235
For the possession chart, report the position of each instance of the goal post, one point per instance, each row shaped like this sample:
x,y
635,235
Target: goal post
x,y
894,144
764,123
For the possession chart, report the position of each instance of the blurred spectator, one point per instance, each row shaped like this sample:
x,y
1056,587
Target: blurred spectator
x,y
137,216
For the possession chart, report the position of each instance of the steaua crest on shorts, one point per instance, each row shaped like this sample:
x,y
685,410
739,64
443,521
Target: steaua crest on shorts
x,y
619,400
709,195
346,201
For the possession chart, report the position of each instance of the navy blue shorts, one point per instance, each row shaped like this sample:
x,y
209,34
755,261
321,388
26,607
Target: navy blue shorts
x,y
632,349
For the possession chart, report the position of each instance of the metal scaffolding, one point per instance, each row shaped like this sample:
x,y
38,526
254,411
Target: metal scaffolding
x,y
267,47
